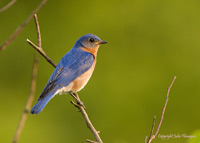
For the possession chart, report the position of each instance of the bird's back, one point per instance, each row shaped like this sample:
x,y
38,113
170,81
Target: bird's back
x,y
75,63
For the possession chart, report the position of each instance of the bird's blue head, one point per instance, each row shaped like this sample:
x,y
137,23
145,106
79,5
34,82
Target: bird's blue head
x,y
89,41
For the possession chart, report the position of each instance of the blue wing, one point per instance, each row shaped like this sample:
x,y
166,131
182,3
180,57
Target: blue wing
x,y
71,66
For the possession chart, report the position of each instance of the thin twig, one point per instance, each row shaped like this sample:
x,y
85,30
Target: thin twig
x,y
78,103
38,31
33,87
29,101
153,125
19,29
86,118
39,47
41,51
90,141
152,136
8,5
145,139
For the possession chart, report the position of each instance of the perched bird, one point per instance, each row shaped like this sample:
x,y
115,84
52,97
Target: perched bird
x,y
72,72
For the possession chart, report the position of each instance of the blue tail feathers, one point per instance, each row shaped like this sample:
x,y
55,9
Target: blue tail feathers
x,y
39,106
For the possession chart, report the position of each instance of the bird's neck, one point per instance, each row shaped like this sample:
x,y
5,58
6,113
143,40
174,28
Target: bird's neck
x,y
93,51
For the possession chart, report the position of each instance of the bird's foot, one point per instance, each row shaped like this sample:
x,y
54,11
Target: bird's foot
x,y
79,102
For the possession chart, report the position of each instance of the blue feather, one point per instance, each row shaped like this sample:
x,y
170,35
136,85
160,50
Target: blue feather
x,y
39,106
71,66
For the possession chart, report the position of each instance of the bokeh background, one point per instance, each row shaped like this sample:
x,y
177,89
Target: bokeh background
x,y
150,42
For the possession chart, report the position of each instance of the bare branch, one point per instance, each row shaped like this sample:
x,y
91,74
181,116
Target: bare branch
x,y
41,51
164,108
152,136
8,5
38,31
21,27
33,87
86,118
79,103
39,47
29,101
90,141
153,125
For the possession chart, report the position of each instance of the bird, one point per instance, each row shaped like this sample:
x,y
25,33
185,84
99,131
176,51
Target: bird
x,y
72,72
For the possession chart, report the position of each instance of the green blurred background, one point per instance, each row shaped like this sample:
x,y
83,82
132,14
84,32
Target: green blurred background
x,y
149,43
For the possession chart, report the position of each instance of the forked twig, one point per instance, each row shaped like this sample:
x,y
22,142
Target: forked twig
x,y
19,29
39,47
41,51
29,101
152,136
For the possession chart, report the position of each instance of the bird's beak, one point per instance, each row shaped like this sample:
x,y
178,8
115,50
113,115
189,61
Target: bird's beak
x,y
103,42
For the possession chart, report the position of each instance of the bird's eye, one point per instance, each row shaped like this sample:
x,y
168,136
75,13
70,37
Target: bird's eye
x,y
91,39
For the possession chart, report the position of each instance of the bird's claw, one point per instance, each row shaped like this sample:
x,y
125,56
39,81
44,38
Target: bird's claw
x,y
81,104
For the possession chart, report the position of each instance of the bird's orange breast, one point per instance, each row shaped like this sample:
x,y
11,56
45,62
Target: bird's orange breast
x,y
82,80
79,83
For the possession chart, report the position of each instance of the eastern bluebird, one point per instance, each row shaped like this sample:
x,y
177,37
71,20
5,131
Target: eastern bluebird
x,y
72,72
